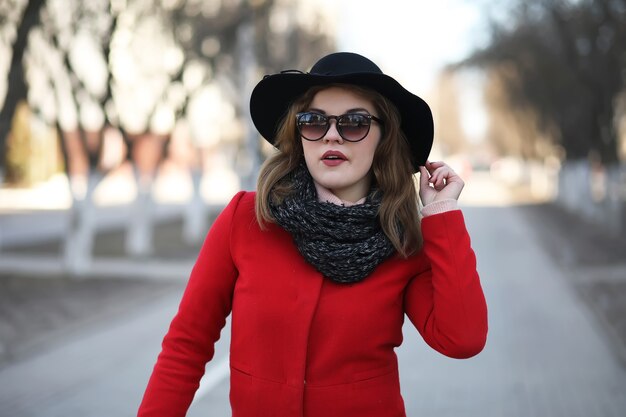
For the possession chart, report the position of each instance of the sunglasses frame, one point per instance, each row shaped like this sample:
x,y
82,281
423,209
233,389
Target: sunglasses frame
x,y
339,128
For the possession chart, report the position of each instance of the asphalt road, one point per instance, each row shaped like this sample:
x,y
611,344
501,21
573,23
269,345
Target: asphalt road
x,y
546,354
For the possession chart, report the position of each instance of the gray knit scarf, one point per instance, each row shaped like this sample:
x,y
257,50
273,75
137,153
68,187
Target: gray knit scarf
x,y
344,243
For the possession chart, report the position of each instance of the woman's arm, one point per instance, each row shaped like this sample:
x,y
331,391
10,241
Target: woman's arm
x,y
445,302
189,343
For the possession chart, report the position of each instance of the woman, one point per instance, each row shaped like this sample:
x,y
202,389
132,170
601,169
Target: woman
x,y
320,266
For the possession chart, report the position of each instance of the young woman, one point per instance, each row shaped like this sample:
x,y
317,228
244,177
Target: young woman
x,y
322,263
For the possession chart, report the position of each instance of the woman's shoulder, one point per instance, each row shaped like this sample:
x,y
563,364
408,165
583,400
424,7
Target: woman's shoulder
x,y
239,212
242,203
244,197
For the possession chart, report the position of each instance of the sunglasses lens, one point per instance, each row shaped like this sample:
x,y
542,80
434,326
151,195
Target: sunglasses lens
x,y
312,126
353,127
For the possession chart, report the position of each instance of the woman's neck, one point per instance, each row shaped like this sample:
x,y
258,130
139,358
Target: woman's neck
x,y
327,196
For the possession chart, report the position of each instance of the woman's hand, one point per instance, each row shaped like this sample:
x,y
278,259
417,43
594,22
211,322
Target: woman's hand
x,y
439,182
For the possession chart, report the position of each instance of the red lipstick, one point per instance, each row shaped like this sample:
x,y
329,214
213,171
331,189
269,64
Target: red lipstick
x,y
333,158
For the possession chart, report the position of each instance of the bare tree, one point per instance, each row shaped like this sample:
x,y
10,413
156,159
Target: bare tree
x,y
565,61
561,65
449,130
227,47
145,70
15,16
68,79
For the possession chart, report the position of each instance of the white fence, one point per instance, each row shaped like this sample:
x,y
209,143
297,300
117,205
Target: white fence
x,y
596,193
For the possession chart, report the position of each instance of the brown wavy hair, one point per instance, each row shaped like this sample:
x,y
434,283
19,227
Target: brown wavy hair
x,y
391,169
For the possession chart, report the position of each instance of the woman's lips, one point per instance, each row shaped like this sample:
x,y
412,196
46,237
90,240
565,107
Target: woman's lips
x,y
333,158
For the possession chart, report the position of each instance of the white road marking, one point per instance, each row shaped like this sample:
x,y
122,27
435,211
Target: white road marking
x,y
212,378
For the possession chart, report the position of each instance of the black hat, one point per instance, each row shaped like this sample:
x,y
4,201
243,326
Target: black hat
x,y
273,95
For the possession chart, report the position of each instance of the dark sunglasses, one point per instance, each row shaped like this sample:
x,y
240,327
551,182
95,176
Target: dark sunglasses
x,y
352,127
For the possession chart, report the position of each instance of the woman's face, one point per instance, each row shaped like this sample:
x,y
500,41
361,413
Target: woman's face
x,y
334,163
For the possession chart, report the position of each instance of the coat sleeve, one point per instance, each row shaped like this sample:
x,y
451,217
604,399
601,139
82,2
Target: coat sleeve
x,y
189,342
445,301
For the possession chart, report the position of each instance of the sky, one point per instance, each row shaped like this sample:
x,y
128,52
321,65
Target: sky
x,y
410,39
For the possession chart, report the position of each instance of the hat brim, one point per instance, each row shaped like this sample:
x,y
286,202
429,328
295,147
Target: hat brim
x,y
274,94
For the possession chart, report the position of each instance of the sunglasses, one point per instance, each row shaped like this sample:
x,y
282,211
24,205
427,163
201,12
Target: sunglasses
x,y
352,127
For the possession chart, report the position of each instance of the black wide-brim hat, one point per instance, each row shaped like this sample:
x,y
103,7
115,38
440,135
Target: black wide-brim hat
x,y
273,95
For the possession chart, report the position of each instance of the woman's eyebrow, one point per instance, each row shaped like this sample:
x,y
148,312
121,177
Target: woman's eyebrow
x,y
358,109
317,110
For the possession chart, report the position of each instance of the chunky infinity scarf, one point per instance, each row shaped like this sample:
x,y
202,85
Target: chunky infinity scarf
x,y
345,244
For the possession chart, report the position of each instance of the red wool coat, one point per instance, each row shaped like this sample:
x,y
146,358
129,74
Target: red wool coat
x,y
303,345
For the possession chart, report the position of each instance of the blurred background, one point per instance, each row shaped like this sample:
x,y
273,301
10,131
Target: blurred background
x,y
124,129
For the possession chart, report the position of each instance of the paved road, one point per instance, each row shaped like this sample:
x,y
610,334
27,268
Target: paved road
x,y
546,355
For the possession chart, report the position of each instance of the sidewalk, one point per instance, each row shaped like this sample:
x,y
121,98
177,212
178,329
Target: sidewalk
x,y
594,264
40,304
545,356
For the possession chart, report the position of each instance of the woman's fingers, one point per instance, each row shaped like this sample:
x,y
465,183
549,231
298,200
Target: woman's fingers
x,y
442,179
424,177
434,164
439,177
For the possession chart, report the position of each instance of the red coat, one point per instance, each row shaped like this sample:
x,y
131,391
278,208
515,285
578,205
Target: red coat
x,y
303,345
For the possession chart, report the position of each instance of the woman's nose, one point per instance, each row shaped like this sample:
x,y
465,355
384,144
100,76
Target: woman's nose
x,y
333,133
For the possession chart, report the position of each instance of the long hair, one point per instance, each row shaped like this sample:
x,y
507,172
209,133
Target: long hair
x,y
392,171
